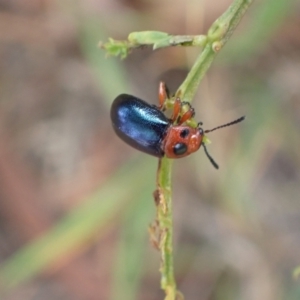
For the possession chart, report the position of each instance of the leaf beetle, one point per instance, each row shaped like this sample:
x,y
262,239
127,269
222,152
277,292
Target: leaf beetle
x,y
146,128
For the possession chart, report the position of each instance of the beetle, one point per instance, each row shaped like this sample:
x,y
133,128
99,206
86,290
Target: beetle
x,y
146,128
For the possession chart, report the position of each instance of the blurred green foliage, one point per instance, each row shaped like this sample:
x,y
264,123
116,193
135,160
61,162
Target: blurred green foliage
x,y
133,184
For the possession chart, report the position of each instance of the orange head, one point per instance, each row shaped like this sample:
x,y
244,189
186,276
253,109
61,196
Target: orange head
x,y
181,141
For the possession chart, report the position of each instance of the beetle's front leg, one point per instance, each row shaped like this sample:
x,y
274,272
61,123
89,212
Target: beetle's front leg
x,y
189,114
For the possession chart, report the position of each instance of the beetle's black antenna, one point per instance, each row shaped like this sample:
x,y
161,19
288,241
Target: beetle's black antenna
x,y
209,157
228,124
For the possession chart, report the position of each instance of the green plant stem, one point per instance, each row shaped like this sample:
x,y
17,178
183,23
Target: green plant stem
x,y
188,88
218,35
163,199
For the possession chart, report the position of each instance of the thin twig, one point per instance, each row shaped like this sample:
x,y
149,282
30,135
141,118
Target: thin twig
x,y
218,35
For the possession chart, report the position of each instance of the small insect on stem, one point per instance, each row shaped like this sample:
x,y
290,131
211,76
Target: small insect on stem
x,y
146,127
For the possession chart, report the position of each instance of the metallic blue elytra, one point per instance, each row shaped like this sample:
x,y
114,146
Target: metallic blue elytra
x,y
139,124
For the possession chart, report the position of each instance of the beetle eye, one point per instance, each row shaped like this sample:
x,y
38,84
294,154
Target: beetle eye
x,y
180,148
184,133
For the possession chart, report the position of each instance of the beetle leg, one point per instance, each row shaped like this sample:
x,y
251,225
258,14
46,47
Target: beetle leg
x,y
163,94
176,110
190,113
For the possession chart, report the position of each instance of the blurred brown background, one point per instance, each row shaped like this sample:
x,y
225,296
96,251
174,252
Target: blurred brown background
x,y
75,201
